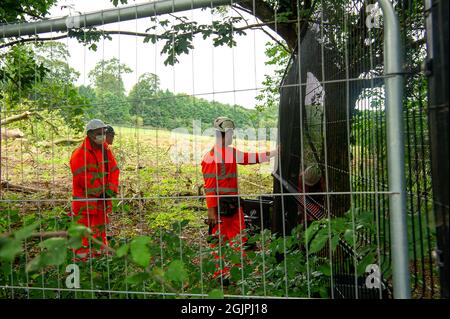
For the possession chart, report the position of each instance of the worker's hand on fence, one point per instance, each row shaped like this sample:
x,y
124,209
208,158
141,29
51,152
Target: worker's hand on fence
x,y
212,216
102,196
274,152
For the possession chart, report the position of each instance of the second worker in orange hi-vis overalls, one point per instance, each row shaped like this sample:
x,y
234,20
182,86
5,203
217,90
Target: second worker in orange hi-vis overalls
x,y
219,168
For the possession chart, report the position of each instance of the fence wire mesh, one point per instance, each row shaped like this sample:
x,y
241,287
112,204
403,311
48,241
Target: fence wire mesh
x,y
315,219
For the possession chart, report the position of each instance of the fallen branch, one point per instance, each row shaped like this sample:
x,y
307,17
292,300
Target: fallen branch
x,y
16,118
68,141
49,234
27,190
18,188
25,116
14,133
63,141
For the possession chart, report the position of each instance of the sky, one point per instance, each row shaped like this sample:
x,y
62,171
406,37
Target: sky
x,y
227,75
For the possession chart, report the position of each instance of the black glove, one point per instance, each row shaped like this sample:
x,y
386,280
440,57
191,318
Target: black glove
x,y
102,196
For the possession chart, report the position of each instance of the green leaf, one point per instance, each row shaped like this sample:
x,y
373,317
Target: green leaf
x,y
311,230
122,251
215,294
26,231
367,260
251,255
323,292
325,269
56,251
9,250
319,241
209,266
35,264
334,242
176,271
348,236
78,230
138,278
235,273
235,259
75,242
140,251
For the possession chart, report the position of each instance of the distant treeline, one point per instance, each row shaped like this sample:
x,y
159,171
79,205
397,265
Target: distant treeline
x,y
163,109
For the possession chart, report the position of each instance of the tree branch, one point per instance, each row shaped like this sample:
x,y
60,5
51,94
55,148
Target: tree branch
x,y
18,188
265,12
16,118
275,39
37,39
238,7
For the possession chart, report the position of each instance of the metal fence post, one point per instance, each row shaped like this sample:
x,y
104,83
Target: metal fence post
x,y
396,167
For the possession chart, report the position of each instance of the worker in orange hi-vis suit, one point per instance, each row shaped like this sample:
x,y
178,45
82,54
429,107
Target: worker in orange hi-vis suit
x,y
219,168
95,179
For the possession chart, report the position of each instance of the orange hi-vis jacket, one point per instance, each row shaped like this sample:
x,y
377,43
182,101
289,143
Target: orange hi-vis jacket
x,y
219,168
95,173
91,180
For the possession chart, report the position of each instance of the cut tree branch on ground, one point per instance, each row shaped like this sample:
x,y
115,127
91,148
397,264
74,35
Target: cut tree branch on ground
x,y
50,234
18,188
25,116
63,141
7,186
68,141
14,133
15,118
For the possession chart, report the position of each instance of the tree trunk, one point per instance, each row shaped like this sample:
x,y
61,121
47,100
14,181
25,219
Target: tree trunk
x,y
14,133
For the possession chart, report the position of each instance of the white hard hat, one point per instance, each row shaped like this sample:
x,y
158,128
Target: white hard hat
x,y
95,124
312,175
223,123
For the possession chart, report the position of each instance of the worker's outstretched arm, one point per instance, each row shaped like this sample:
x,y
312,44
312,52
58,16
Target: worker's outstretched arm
x,y
245,158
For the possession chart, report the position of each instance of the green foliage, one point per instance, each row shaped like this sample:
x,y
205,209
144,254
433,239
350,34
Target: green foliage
x,y
163,262
45,126
89,36
19,71
269,97
116,2
167,110
111,108
176,272
167,261
38,77
11,10
178,35
106,77
9,248
54,254
107,97
140,252
215,294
